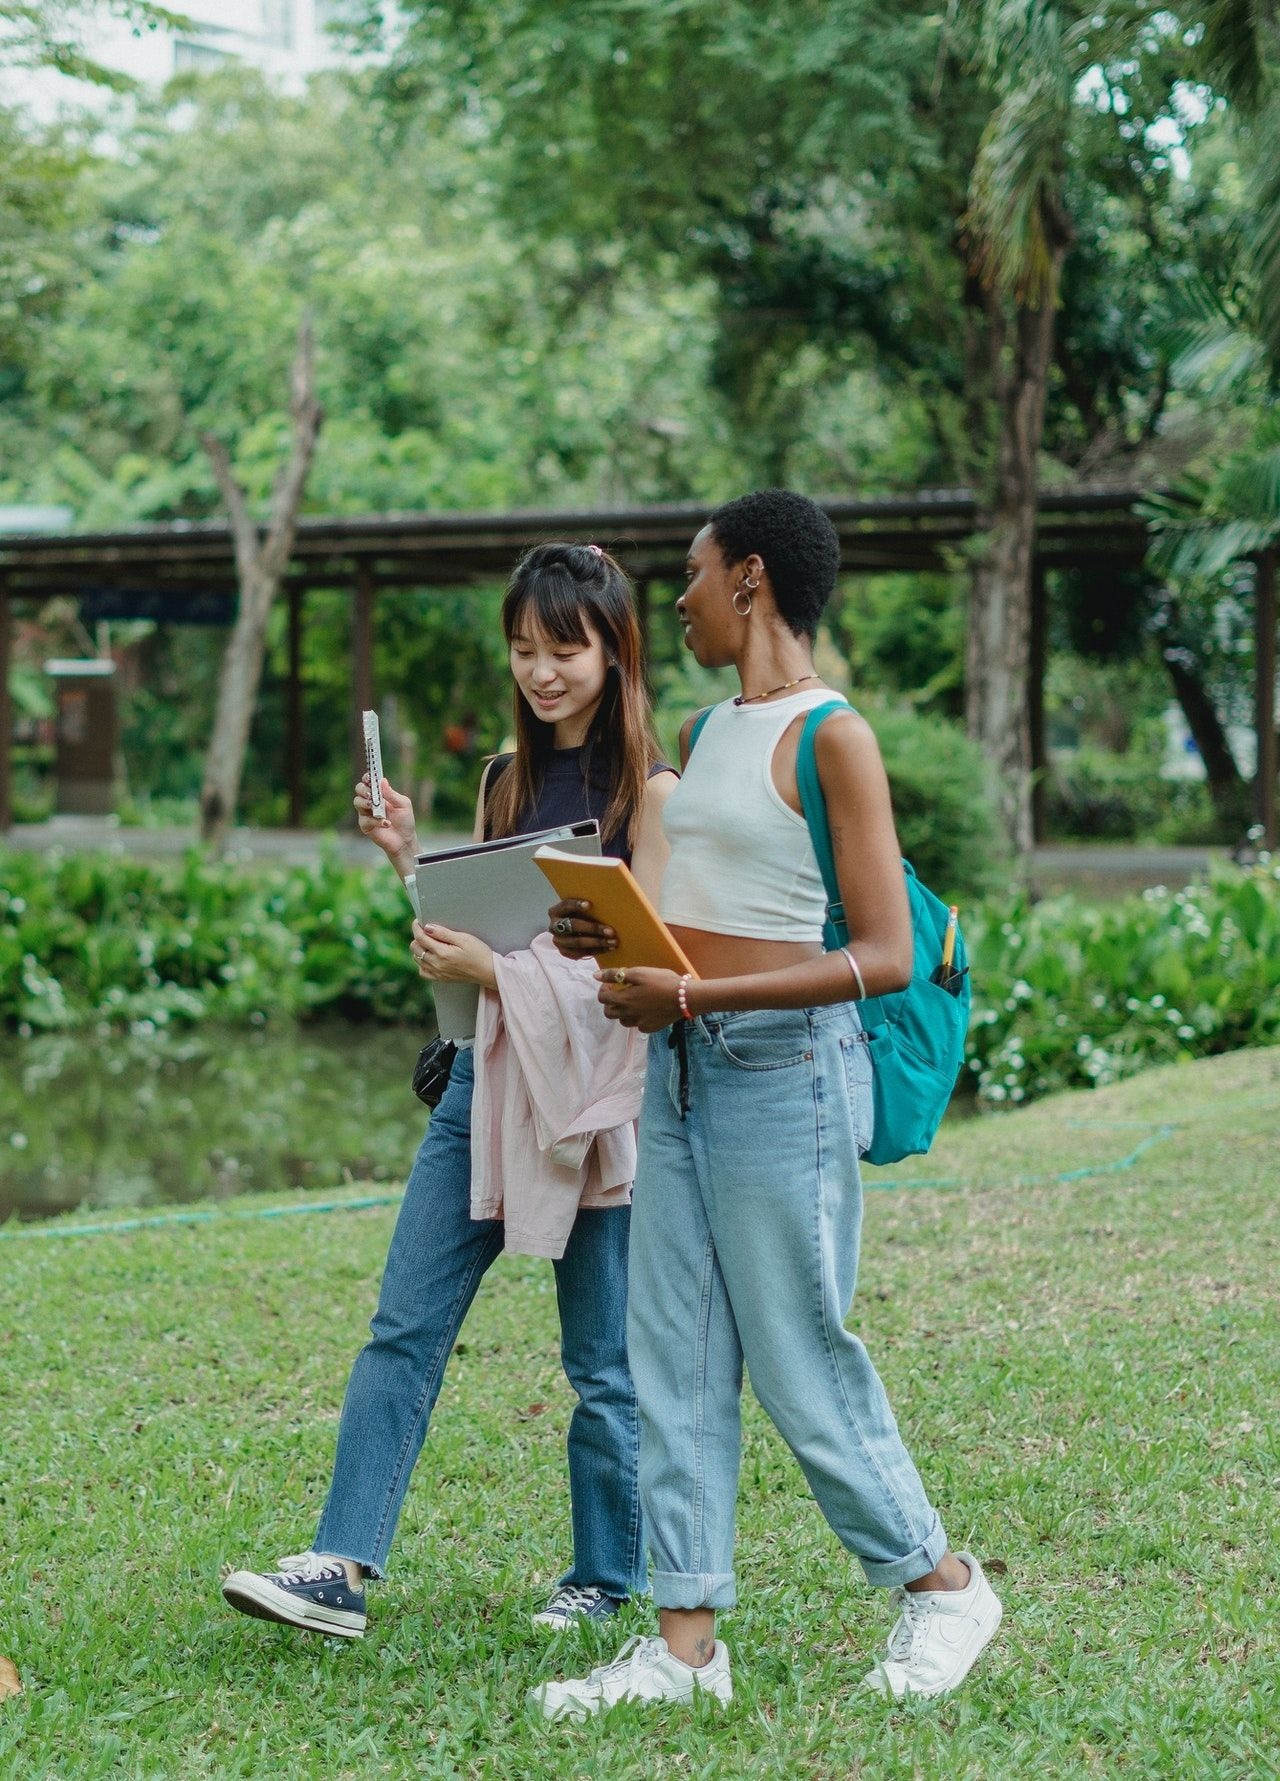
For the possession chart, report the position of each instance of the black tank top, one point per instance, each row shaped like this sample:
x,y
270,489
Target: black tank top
x,y
566,796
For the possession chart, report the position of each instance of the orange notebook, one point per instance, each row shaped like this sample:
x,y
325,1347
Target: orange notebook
x,y
617,900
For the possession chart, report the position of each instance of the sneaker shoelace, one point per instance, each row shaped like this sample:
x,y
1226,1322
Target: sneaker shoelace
x,y
570,1598
907,1637
637,1651
306,1567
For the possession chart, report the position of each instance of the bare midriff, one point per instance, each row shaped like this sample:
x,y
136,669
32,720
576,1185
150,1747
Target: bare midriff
x,y
730,955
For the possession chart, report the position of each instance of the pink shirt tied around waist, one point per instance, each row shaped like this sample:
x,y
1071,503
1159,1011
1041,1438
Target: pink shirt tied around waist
x,y
557,1094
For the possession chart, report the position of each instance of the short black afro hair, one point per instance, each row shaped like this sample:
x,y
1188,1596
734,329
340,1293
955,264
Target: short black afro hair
x,y
797,544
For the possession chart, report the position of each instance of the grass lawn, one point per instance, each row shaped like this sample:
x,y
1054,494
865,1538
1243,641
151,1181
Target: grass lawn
x,y
1076,1310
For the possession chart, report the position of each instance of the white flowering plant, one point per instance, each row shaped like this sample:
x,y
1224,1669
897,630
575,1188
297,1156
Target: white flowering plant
x,y
1069,994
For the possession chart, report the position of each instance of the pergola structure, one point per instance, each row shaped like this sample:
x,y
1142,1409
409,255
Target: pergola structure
x,y
166,572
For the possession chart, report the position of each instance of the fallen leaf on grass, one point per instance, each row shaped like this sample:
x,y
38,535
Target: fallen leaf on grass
x,y
531,1412
10,1680
997,1567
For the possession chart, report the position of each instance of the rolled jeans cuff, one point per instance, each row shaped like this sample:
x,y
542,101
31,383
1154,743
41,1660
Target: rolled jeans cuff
x,y
917,1563
696,1589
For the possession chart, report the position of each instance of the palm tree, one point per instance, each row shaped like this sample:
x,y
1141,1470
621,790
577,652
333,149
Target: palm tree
x,y
1208,521
1037,56
1225,511
1224,342
1019,232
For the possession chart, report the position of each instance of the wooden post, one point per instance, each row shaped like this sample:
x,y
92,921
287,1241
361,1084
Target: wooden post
x,y
6,717
293,712
361,662
1037,661
643,618
1264,785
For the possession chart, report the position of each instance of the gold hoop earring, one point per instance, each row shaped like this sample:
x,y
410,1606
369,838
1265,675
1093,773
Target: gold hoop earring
x,y
742,611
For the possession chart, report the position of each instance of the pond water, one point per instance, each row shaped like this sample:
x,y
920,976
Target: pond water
x,y
92,1121
117,1121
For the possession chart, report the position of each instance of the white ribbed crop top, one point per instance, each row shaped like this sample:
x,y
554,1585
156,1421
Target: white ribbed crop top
x,y
741,858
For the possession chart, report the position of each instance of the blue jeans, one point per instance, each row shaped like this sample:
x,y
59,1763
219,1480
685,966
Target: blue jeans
x,y
744,1247
438,1257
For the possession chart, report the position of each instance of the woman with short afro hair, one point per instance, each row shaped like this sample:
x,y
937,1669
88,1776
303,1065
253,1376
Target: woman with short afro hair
x,y
757,1109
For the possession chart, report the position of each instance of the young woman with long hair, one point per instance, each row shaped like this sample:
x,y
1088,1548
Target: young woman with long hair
x,y
585,748
748,1203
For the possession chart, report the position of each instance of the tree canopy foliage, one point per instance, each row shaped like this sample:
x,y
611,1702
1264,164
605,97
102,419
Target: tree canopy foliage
x,y
642,250
459,366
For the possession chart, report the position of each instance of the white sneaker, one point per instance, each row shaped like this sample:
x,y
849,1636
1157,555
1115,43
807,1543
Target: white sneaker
x,y
644,1670
939,1637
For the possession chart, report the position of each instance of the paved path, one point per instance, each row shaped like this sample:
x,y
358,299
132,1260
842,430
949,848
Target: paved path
x,y
1106,858
1108,869
289,847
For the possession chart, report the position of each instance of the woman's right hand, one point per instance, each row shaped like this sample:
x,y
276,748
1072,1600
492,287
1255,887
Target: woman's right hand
x,y
396,833
576,932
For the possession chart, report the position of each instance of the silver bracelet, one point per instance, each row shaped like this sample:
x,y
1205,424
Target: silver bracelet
x,y
857,974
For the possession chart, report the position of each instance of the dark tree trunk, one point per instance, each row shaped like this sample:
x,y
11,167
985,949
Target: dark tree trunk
x,y
6,716
1038,656
1226,787
1264,787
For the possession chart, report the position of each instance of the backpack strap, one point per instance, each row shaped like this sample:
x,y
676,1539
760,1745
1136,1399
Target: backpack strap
x,y
699,725
814,806
870,1008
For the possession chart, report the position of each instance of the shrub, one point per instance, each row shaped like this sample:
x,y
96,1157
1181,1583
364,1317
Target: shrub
x,y
946,821
1066,994
1069,995
95,938
1101,797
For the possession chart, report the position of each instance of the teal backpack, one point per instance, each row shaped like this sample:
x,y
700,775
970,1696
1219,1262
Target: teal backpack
x,y
916,1035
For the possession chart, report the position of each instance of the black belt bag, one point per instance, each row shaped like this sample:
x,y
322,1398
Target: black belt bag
x,y
432,1070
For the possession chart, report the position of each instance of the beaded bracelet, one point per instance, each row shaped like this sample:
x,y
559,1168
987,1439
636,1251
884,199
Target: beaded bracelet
x,y
682,995
857,974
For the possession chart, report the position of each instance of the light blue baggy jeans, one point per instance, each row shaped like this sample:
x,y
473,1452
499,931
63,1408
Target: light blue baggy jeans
x,y
745,1232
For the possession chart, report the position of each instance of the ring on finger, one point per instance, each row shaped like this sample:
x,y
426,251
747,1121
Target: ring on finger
x,y
563,925
620,976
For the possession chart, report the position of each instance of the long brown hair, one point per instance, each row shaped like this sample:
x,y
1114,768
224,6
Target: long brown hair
x,y
559,588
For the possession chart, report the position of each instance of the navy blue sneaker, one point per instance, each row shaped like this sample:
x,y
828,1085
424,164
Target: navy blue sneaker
x,y
569,1605
310,1590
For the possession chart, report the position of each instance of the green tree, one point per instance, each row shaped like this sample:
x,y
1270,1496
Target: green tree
x,y
49,34
459,368
1218,524
40,204
883,192
1058,71
262,558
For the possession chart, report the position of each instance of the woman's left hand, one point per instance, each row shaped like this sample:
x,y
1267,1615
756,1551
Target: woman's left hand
x,y
444,955
640,996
